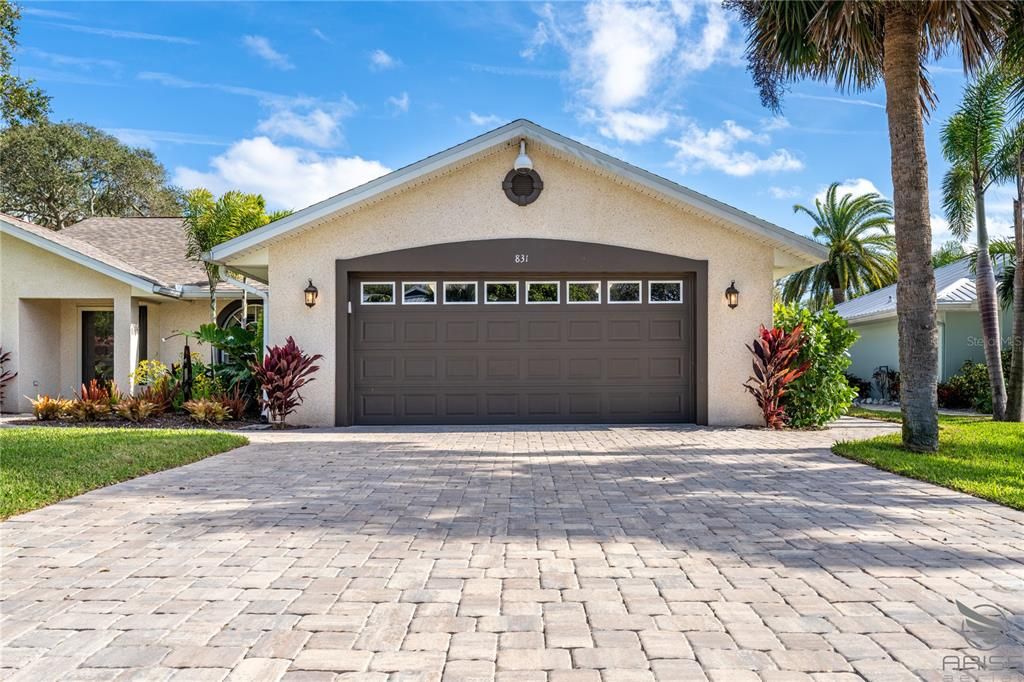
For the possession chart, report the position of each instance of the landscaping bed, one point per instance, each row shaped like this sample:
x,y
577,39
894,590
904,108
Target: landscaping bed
x,y
45,465
976,456
170,420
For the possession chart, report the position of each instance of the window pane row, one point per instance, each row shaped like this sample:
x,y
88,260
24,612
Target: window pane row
x,y
507,292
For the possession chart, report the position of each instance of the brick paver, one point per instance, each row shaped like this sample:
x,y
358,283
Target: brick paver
x,y
548,554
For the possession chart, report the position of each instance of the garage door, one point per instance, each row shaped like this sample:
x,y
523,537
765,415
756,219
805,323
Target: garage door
x,y
489,349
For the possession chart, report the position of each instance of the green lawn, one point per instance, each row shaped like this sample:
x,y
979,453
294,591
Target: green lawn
x,y
976,455
43,465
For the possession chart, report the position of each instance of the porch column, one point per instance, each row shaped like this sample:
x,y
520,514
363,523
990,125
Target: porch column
x,y
126,340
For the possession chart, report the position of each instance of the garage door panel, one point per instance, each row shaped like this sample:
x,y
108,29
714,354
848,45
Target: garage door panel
x,y
540,331
377,331
420,331
420,368
502,368
585,330
461,331
625,330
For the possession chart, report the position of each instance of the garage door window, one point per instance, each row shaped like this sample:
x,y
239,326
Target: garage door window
x,y
502,292
542,292
460,293
418,293
624,292
584,292
665,292
378,293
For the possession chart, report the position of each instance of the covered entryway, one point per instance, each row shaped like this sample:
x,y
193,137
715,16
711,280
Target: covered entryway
x,y
570,333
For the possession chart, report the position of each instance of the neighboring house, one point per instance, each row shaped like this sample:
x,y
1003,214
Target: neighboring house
x,y
92,300
454,290
873,316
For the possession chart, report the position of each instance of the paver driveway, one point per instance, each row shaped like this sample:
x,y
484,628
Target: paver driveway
x,y
551,554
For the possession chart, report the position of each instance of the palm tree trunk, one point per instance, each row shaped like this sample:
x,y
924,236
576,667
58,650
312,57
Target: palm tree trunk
x,y
988,306
838,295
915,285
1015,397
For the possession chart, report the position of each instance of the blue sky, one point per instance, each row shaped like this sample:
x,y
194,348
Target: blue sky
x,y
300,101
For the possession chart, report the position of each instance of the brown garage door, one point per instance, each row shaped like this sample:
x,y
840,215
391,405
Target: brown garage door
x,y
491,348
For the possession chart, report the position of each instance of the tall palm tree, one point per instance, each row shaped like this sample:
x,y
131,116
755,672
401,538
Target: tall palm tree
x,y
857,45
861,249
1003,253
975,142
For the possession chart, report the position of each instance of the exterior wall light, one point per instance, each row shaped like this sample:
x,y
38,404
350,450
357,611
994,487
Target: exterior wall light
x,y
311,294
732,295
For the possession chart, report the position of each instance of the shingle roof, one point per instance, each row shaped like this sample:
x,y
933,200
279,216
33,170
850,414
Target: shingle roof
x,y
155,245
70,240
954,285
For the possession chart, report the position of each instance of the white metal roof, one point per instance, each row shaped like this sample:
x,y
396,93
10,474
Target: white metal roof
x,y
797,248
954,286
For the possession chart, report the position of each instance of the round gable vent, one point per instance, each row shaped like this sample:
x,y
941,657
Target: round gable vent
x,y
522,186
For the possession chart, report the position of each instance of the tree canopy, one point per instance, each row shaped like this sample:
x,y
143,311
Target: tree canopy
x,y
20,100
56,174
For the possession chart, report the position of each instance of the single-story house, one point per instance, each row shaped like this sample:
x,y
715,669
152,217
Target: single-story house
x,y
519,277
93,299
873,315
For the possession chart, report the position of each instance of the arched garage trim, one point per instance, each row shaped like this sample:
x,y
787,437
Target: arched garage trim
x,y
505,258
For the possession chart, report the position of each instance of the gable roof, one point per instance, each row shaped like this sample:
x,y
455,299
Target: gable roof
x,y
155,245
85,254
800,249
954,286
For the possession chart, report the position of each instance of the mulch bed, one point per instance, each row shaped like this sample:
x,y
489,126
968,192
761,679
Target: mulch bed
x,y
166,421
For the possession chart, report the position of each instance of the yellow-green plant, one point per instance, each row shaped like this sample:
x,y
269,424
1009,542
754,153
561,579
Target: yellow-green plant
x,y
149,373
136,409
88,410
206,411
47,409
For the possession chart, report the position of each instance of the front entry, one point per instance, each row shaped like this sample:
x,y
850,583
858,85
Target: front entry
x,y
97,345
526,345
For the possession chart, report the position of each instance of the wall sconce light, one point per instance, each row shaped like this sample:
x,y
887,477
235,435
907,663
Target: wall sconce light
x,y
732,295
311,294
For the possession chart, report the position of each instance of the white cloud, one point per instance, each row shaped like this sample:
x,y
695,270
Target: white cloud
x,y
785,192
318,126
140,137
770,125
485,119
261,47
854,186
717,148
631,126
128,35
46,13
400,103
287,177
837,100
713,44
381,61
85,63
321,35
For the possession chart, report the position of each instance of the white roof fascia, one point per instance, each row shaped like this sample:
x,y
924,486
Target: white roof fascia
x,y
87,261
788,241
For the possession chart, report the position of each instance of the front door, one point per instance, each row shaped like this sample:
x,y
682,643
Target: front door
x,y
97,345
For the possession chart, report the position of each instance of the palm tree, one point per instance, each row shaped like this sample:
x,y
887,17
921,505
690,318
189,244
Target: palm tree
x,y
856,45
975,143
949,253
861,249
1003,253
209,222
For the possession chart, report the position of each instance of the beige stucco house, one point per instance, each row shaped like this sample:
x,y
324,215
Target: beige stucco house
x,y
520,277
95,298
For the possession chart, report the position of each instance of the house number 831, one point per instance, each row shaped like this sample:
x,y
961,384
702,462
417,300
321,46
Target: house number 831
x,y
522,258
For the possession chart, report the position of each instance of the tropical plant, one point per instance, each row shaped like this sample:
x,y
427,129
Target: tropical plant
x,y
96,391
6,375
947,254
974,143
235,402
206,411
161,394
239,348
822,393
47,409
856,46
1015,373
1003,254
136,409
149,373
861,249
87,410
775,353
20,100
284,370
210,221
56,174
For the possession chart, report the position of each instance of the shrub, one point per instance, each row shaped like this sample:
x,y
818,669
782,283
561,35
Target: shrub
x,y
240,348
206,411
161,395
206,386
47,409
136,409
968,388
149,372
235,402
88,410
95,391
862,387
775,353
823,393
284,370
6,375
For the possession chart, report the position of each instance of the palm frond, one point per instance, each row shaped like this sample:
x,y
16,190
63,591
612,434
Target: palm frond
x,y
958,200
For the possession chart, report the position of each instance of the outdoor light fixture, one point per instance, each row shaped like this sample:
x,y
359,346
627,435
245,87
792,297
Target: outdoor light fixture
x,y
311,294
523,162
732,295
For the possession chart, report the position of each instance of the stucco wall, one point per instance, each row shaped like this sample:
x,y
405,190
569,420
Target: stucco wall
x,y
41,298
876,347
577,204
963,339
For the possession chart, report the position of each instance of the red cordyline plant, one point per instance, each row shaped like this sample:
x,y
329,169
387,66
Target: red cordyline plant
x,y
775,352
284,370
